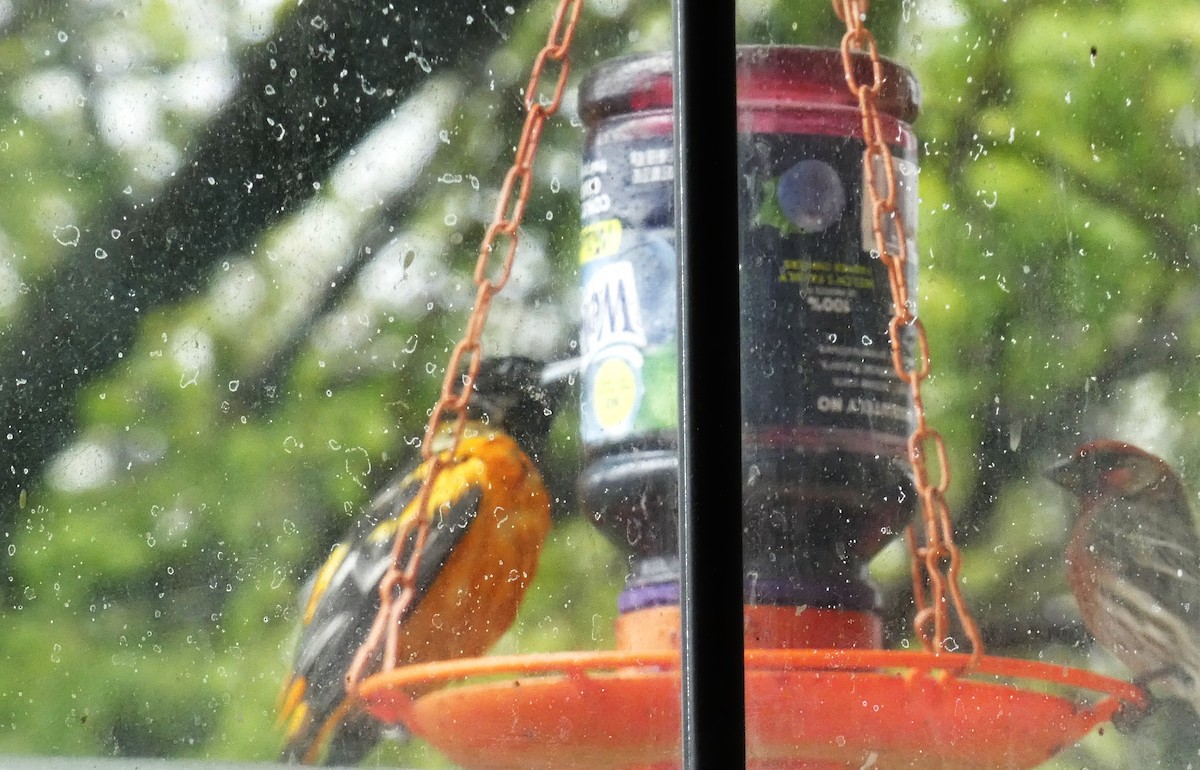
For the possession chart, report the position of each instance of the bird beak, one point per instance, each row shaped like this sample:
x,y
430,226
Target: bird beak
x,y
1066,474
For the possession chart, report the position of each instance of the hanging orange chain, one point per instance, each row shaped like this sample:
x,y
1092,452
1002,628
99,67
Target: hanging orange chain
x,y
940,556
456,388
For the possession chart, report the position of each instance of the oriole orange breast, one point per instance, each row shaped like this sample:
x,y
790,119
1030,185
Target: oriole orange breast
x,y
475,594
490,513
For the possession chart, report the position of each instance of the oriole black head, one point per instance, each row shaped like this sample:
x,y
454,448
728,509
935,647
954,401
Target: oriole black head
x,y
514,394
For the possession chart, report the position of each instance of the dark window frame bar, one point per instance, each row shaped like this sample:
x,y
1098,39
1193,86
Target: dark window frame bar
x,y
710,458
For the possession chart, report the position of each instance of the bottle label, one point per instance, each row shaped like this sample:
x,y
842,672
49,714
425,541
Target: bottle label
x,y
628,277
816,301
815,298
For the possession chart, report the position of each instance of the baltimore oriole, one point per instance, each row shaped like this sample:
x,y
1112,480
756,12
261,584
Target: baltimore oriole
x,y
490,515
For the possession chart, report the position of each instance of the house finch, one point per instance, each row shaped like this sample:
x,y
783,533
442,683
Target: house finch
x,y
490,513
1133,562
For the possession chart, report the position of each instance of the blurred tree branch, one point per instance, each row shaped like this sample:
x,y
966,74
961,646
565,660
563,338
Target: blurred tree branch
x,y
328,74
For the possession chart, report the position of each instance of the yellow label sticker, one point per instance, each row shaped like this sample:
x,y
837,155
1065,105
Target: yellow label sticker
x,y
600,239
614,393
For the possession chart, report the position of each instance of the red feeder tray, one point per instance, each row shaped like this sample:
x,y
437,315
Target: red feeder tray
x,y
816,709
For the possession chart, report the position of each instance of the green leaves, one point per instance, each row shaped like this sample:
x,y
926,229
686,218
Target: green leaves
x,y
275,356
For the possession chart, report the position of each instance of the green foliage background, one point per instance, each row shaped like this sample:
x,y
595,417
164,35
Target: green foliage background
x,y
150,566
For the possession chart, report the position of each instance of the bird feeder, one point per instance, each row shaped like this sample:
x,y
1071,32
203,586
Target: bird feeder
x,y
826,421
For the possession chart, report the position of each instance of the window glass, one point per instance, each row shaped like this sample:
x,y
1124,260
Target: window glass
x,y
236,250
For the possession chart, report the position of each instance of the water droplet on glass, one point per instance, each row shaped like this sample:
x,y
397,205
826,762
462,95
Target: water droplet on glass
x,y
633,531
66,235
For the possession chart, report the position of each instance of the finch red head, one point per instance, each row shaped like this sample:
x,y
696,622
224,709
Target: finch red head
x,y
1133,562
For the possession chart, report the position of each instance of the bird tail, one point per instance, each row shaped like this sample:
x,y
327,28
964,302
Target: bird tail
x,y
347,746
1184,681
1192,696
342,738
1189,682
